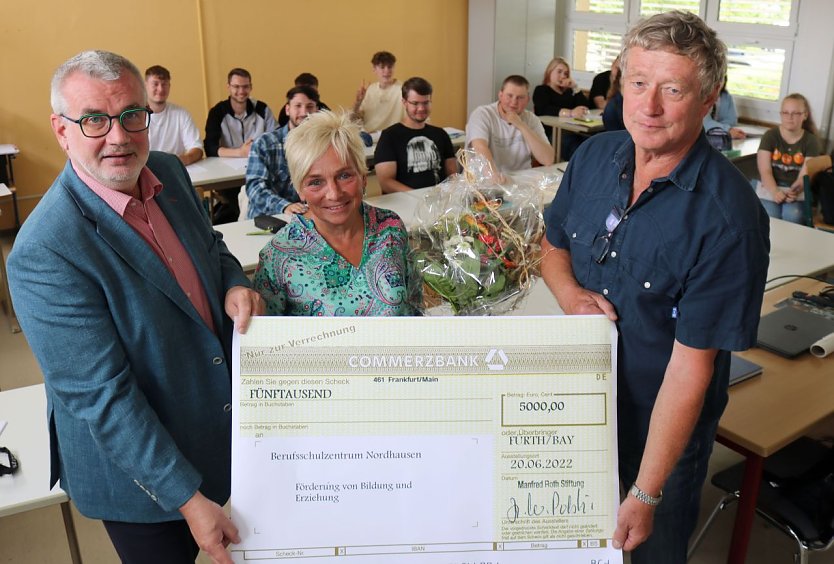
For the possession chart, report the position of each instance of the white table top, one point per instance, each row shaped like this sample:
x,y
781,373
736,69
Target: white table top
x,y
217,169
8,149
26,435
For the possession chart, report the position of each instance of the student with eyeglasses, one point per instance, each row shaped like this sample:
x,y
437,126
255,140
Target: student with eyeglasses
x,y
413,153
660,232
126,296
781,160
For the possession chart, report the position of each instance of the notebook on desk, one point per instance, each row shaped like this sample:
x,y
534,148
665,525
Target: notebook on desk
x,y
791,331
742,369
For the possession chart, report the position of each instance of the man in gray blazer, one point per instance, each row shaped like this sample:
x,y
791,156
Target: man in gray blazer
x,y
121,286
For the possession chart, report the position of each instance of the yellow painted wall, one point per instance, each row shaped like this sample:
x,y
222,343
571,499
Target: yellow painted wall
x,y
200,40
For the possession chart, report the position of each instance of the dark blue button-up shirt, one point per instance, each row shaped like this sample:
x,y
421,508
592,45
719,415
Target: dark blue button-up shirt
x,y
686,262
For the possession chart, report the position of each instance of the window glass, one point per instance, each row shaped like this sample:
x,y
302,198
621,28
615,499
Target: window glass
x,y
650,7
594,51
755,71
601,6
772,12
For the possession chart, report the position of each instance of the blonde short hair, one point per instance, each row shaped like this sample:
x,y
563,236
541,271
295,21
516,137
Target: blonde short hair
x,y
311,139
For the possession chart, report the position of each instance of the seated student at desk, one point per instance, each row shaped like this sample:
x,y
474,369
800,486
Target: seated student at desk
x,y
723,114
414,154
612,115
172,129
601,86
558,95
231,127
506,133
303,79
781,160
378,106
268,184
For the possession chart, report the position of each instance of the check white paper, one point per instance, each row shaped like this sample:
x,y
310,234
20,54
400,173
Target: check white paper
x,y
453,440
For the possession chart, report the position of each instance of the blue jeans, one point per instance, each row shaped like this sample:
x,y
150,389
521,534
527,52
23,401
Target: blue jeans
x,y
676,516
789,211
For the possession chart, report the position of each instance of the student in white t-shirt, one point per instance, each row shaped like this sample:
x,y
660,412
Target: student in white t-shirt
x,y
172,130
379,105
508,134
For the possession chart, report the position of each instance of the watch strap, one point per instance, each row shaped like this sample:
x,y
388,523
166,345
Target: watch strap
x,y
644,497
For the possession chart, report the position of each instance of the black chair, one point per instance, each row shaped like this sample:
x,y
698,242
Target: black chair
x,y
778,504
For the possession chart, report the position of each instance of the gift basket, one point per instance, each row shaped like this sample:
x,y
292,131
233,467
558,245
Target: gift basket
x,y
475,243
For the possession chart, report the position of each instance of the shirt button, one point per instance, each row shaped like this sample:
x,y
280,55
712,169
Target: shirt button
x,y
613,254
227,408
605,292
188,294
217,360
650,190
170,259
647,285
574,235
625,217
623,176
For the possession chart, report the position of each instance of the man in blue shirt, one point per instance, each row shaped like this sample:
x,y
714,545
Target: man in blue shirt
x,y
268,183
657,230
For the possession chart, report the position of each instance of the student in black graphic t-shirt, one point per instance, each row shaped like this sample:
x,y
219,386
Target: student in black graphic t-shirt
x,y
413,154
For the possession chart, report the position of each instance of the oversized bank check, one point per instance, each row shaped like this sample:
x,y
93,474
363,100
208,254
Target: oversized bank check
x,y
452,440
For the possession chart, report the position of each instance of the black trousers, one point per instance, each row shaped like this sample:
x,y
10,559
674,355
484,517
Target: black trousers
x,y
161,543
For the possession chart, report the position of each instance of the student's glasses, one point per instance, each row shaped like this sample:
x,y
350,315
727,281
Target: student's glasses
x,y
792,114
602,244
99,125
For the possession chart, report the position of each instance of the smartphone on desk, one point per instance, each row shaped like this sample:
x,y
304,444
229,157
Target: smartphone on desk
x,y
269,223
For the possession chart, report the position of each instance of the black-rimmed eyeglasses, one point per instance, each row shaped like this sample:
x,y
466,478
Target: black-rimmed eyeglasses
x,y
602,244
133,120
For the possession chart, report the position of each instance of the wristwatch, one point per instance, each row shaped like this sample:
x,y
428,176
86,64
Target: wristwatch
x,y
644,497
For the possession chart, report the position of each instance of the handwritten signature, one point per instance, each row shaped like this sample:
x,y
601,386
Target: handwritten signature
x,y
558,504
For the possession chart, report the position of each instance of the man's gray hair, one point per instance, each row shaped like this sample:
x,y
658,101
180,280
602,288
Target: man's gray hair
x,y
102,65
682,33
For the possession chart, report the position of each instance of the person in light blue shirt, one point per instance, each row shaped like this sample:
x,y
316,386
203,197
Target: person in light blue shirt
x,y
724,114
268,185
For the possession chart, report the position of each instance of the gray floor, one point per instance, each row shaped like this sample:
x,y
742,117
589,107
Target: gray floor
x,y
38,536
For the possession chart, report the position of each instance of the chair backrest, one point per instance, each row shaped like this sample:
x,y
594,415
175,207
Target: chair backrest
x,y
807,205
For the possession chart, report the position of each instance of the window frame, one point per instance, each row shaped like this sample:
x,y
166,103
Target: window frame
x,y
762,35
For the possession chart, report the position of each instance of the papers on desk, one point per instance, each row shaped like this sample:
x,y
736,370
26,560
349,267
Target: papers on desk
x,y
2,426
8,149
4,190
752,130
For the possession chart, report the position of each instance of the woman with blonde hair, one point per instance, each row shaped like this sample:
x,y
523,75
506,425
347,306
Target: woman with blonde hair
x,y
342,257
558,95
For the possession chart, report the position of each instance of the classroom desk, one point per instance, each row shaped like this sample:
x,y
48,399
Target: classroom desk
x,y
571,124
8,153
768,412
27,437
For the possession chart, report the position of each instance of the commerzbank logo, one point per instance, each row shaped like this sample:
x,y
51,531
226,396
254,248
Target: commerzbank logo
x,y
496,359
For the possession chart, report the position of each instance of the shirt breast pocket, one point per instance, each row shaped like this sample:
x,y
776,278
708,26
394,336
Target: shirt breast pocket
x,y
655,290
581,235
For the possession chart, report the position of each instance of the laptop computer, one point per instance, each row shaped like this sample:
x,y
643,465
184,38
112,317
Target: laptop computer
x,y
741,369
791,331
